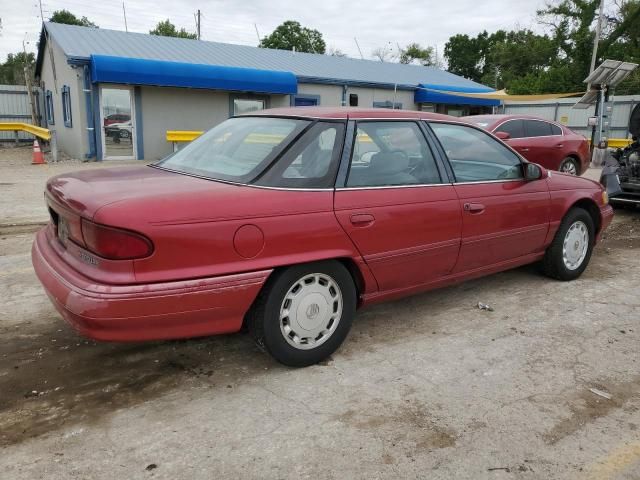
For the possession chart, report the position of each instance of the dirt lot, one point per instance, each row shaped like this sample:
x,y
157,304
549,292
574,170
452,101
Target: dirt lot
x,y
427,387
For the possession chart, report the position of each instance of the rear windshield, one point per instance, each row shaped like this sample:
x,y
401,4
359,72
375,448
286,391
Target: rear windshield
x,y
237,150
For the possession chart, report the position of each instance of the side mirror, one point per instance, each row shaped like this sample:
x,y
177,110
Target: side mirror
x,y
503,135
533,171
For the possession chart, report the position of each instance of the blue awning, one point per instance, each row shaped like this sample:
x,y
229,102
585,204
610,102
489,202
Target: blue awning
x,y
424,95
139,71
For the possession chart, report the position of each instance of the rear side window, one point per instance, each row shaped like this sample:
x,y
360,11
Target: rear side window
x,y
555,130
311,162
391,154
515,128
476,156
536,128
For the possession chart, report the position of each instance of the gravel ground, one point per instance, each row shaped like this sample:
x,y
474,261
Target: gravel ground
x,y
427,387
22,184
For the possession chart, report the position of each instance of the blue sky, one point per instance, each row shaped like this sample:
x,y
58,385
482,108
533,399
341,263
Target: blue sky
x,y
374,23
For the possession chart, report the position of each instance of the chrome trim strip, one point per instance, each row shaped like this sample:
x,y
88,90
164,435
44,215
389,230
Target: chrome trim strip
x,y
510,180
627,200
386,187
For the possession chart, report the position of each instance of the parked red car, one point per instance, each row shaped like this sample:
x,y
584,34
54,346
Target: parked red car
x,y
549,144
288,220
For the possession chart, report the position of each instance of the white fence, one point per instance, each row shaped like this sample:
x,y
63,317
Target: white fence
x,y
560,111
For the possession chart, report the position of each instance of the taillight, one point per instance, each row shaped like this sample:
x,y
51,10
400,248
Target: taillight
x,y
115,243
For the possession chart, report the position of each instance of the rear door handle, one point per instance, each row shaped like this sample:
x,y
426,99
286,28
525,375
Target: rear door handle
x,y
560,146
473,207
362,219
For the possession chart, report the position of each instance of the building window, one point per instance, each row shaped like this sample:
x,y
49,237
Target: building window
x,y
353,99
66,106
388,104
305,100
247,104
48,99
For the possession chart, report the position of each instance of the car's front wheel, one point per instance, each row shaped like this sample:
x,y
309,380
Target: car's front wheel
x,y
569,165
304,312
569,253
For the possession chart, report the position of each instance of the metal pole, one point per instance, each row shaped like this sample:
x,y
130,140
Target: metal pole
x,y
596,40
395,90
198,24
126,29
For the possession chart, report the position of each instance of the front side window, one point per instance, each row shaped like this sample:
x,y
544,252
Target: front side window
x,y
237,150
312,162
515,128
476,156
391,154
536,128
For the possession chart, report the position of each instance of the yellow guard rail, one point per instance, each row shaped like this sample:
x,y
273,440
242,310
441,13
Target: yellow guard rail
x,y
39,132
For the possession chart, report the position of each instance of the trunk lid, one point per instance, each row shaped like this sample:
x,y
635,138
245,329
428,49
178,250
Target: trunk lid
x,y
85,192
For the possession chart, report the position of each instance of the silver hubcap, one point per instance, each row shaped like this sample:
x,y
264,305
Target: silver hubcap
x,y
569,167
311,311
575,245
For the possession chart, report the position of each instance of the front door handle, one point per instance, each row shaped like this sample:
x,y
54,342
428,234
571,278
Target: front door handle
x,y
362,219
474,207
523,149
560,146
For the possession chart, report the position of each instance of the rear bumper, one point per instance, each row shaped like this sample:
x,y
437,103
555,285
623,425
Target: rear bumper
x,y
181,309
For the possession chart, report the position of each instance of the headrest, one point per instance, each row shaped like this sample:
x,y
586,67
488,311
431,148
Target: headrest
x,y
388,163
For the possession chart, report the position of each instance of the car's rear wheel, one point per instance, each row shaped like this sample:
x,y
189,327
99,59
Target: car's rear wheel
x,y
569,165
304,312
569,253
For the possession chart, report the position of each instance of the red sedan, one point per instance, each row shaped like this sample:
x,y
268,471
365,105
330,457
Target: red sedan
x,y
549,144
289,220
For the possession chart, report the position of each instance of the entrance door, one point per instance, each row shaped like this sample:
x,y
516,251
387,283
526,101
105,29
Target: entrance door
x,y
117,117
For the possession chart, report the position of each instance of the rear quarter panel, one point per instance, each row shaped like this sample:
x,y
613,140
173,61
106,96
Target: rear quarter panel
x,y
244,230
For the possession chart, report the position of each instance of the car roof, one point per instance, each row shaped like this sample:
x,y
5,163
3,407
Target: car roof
x,y
345,113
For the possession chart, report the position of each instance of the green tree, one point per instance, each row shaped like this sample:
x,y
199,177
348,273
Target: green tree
x,y
168,29
12,70
293,36
415,53
466,56
65,16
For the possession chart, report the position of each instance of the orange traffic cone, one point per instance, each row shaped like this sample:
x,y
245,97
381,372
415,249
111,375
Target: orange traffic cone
x,y
38,157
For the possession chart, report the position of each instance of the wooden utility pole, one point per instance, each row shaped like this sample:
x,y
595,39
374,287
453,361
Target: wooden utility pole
x,y
27,82
198,23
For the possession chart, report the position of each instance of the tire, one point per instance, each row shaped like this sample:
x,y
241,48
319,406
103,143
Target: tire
x,y
569,165
569,266
124,134
305,293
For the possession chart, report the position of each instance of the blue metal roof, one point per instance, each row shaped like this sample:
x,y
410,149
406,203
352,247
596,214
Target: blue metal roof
x,y
137,71
425,94
79,43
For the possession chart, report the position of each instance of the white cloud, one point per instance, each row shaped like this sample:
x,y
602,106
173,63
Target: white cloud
x,y
373,23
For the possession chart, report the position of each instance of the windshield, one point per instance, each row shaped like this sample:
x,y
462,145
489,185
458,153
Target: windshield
x,y
237,150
